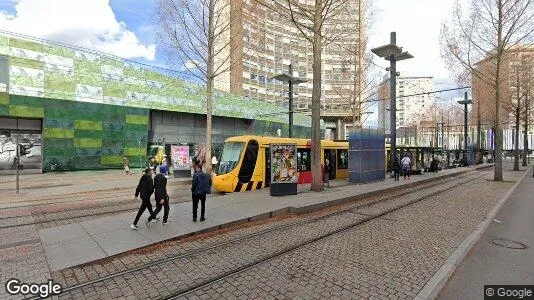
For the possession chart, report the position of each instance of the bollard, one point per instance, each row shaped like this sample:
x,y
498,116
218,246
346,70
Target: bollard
x,y
326,179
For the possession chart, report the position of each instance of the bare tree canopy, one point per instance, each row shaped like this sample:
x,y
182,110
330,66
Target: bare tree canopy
x,y
316,21
196,35
183,31
475,42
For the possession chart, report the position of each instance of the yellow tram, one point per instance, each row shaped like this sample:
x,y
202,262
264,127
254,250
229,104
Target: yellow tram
x,y
245,162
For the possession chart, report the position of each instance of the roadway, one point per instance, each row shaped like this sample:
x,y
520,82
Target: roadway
x,y
488,263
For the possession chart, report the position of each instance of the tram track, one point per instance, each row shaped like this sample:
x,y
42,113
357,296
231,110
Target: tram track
x,y
74,216
345,208
104,194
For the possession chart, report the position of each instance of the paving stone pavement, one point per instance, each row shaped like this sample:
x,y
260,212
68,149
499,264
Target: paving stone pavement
x,y
384,258
29,256
175,247
390,257
229,209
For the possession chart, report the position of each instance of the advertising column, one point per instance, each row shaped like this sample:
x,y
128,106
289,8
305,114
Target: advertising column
x,y
180,161
283,169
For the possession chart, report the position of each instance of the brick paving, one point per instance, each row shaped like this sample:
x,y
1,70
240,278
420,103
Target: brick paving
x,y
316,271
176,247
391,257
384,258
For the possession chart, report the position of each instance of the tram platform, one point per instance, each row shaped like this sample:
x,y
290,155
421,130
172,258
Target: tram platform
x,y
79,243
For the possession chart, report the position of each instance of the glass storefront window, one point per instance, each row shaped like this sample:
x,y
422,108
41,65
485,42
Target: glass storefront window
x,y
342,159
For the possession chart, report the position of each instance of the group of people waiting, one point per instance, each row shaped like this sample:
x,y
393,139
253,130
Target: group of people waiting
x,y
405,166
152,183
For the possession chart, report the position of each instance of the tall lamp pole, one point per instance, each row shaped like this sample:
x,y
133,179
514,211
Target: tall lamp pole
x,y
392,53
465,102
291,80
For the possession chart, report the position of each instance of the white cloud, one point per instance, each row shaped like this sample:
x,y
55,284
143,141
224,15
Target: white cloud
x,y
85,23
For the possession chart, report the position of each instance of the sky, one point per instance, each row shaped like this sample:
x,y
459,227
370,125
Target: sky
x,y
417,24
124,28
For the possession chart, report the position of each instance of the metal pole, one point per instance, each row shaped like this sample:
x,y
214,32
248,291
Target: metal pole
x,y
437,134
17,157
442,137
393,103
290,101
465,125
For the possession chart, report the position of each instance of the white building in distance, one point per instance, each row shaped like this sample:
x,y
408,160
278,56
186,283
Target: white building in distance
x,y
413,104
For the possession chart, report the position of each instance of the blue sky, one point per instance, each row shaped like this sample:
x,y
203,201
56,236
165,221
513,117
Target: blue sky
x,y
137,14
119,27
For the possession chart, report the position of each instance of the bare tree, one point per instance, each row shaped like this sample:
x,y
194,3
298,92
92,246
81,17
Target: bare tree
x,y
359,84
316,21
195,35
529,101
361,60
513,104
480,35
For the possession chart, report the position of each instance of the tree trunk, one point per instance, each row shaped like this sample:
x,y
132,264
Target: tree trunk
x,y
209,101
209,84
497,176
317,176
517,129
517,114
356,112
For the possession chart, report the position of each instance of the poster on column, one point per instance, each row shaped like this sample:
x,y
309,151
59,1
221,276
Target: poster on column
x,y
180,158
283,169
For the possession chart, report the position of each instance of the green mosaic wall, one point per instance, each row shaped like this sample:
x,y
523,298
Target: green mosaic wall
x,y
50,71
80,135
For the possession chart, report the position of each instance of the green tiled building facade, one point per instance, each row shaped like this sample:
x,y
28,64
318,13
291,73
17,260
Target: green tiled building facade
x,y
78,135
96,109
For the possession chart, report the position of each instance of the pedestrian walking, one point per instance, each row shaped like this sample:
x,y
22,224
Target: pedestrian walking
x,y
200,187
126,165
145,189
162,199
396,168
406,163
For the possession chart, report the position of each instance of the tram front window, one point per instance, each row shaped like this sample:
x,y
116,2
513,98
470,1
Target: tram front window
x,y
230,156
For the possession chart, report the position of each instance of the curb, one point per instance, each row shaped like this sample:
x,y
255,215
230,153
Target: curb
x,y
440,278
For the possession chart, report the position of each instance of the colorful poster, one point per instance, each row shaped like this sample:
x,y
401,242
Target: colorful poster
x,y
180,157
283,163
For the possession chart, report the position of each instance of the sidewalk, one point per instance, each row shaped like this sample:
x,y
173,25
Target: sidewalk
x,y
78,243
506,263
71,186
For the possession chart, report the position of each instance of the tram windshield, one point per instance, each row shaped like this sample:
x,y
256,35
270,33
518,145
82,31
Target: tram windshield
x,y
230,156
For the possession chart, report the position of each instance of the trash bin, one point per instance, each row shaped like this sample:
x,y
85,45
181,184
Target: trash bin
x,y
53,167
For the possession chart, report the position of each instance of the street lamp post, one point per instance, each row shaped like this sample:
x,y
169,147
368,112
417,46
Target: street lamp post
x,y
392,53
465,102
291,80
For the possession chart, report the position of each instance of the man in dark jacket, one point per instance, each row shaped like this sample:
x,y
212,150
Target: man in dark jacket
x,y
162,198
396,169
145,189
200,187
